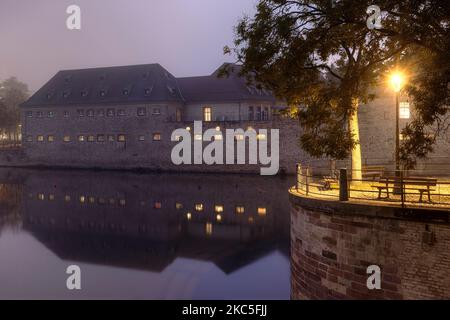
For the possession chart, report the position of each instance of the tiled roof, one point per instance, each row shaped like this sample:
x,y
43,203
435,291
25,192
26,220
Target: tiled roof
x,y
141,83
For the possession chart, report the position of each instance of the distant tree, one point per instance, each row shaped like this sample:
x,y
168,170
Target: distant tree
x,y
12,94
323,59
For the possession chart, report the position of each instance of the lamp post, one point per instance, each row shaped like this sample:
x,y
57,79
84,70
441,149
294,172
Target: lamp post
x,y
397,81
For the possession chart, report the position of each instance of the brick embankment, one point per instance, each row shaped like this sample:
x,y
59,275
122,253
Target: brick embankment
x,y
333,243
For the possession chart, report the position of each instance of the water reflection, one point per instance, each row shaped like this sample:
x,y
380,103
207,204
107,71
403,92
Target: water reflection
x,y
144,236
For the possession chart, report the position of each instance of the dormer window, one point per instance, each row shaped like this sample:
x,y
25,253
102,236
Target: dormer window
x,y
148,91
102,93
66,94
84,93
126,92
171,90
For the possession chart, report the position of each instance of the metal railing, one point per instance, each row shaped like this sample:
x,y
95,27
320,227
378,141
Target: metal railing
x,y
407,188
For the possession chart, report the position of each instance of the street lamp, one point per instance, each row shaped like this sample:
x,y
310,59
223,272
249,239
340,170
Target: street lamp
x,y
397,80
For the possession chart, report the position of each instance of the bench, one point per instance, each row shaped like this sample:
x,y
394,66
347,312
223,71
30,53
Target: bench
x,y
372,172
421,185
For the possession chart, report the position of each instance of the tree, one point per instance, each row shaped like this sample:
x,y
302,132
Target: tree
x,y
323,59
12,94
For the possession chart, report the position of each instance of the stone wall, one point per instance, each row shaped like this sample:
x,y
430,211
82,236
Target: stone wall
x,y
377,125
333,243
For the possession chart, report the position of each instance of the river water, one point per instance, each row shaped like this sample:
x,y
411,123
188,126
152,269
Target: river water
x,y
143,236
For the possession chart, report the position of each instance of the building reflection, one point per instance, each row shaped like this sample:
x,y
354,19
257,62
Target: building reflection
x,y
147,221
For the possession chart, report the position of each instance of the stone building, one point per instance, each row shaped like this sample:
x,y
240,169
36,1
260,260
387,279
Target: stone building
x,y
123,117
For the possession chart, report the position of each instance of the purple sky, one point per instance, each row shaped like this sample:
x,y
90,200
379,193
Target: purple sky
x,y
185,36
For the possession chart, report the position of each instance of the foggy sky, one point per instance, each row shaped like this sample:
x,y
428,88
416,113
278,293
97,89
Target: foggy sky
x,y
185,36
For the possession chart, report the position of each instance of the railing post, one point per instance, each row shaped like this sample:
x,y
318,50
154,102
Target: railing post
x,y
402,189
343,185
307,180
299,176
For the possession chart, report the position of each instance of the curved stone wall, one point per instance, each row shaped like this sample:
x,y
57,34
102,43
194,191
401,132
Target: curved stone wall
x,y
333,243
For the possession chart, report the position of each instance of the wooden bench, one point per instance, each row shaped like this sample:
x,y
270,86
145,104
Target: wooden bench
x,y
419,184
373,172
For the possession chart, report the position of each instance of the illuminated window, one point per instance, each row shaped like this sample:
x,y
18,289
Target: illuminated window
x,y
92,200
112,201
66,139
262,211
188,129
90,113
157,205
239,137
141,138
101,138
51,197
91,138
177,138
157,136
251,220
122,202
81,138
199,207
67,198
41,196
405,111
82,199
156,111
121,138
110,112
218,137
40,138
218,208
208,228
207,114
121,112
219,218
111,138
261,137
178,115
240,209
51,138
189,216
178,206
198,137
101,201
51,114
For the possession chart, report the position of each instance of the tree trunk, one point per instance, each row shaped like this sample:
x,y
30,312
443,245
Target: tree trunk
x,y
356,152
